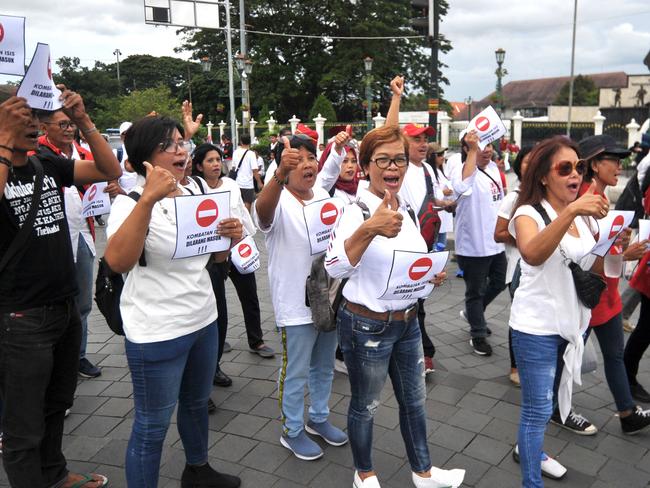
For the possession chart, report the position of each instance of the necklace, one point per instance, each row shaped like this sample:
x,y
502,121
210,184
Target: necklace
x,y
166,213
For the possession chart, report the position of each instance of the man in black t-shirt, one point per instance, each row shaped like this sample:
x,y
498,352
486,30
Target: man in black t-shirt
x,y
40,331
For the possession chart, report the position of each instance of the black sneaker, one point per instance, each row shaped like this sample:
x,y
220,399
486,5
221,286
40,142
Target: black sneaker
x,y
211,406
221,379
197,476
88,369
575,422
639,393
636,422
481,346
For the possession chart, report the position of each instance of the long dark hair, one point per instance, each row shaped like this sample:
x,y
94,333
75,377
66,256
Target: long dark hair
x,y
532,191
199,155
516,165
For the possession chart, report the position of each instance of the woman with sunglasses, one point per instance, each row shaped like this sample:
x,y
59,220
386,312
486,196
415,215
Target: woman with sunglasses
x,y
546,316
168,310
307,354
603,158
381,338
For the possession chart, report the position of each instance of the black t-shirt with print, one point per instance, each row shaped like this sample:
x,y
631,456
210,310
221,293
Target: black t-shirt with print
x,y
45,272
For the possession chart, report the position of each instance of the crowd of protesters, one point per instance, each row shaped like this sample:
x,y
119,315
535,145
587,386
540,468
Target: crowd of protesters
x,y
394,193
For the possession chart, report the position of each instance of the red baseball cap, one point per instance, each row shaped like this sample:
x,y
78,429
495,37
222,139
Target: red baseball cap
x,y
414,130
303,129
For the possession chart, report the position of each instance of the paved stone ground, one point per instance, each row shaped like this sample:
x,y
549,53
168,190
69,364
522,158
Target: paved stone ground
x,y
472,413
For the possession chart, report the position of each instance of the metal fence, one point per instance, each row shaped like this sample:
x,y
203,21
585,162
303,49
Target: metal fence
x,y
533,132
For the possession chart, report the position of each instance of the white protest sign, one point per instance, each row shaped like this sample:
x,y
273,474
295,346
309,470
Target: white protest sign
x,y
197,217
37,85
12,45
320,217
609,228
644,230
95,201
411,272
245,256
488,127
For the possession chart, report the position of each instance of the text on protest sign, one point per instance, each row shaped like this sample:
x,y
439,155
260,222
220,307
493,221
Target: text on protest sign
x,y
644,230
197,217
38,86
95,201
12,45
320,217
245,256
488,127
609,228
411,273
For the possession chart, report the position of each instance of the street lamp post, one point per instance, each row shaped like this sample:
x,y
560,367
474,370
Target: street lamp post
x,y
367,62
468,102
500,55
245,68
117,53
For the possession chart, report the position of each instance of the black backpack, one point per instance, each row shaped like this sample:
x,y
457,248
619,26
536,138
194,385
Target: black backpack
x,y
108,289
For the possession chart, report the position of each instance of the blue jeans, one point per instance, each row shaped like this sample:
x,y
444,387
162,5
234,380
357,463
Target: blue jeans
x,y
372,350
165,373
537,362
307,359
612,344
84,273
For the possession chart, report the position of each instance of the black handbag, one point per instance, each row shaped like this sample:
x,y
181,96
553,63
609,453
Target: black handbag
x,y
232,174
589,285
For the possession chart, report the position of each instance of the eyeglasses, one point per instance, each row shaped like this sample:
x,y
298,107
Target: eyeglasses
x,y
64,124
384,163
565,168
172,147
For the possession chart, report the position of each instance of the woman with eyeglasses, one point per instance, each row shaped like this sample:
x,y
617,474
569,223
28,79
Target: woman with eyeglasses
x,y
547,318
381,337
168,310
307,354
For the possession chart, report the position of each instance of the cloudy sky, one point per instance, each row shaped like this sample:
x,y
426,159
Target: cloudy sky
x,y
536,35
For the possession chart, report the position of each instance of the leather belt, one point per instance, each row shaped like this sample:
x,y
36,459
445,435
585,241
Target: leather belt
x,y
391,316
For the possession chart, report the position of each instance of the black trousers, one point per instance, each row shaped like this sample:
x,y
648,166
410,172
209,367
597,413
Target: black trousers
x,y
39,361
246,288
638,342
218,273
427,344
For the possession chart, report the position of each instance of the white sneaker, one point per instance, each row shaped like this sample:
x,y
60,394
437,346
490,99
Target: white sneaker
x,y
550,467
371,482
340,366
440,478
463,316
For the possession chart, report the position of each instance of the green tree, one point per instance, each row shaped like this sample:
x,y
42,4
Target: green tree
x,y
324,107
94,84
137,105
585,92
290,72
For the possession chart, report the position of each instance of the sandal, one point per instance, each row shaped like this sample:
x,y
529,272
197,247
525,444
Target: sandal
x,y
88,478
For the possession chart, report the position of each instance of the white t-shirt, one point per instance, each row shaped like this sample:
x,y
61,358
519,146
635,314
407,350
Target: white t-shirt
x,y
476,213
446,218
128,180
512,252
414,186
290,261
368,279
546,302
77,224
451,163
168,298
248,165
331,170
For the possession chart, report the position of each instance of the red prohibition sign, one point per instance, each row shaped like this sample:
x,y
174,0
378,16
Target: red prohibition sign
x,y
49,68
244,250
206,213
328,213
92,192
617,226
419,268
482,124
2,32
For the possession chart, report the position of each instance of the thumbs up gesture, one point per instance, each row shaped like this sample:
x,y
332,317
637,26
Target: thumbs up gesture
x,y
159,184
385,221
342,138
590,204
289,161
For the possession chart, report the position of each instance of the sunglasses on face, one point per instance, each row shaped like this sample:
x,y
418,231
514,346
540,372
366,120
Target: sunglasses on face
x,y
565,168
384,163
64,124
611,159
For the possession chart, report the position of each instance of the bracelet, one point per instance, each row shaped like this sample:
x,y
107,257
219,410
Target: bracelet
x,y
87,132
10,149
278,180
6,162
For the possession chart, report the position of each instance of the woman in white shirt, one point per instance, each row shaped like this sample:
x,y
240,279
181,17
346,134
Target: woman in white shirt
x,y
168,310
443,193
547,318
381,337
308,354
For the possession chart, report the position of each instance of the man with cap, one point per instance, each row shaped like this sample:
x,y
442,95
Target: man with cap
x,y
478,182
128,180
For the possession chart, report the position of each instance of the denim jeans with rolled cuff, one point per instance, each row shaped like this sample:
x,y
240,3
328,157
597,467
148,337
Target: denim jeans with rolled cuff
x,y
373,350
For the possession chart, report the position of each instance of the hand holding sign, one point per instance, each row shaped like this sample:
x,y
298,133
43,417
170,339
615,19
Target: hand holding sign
x,y
230,227
635,251
290,159
590,204
439,279
472,141
397,86
73,105
488,127
386,222
159,184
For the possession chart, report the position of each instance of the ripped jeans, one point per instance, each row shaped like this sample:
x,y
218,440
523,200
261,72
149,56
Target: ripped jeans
x,y
372,350
537,361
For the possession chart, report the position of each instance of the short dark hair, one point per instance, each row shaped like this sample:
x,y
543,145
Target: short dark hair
x,y
375,138
199,155
145,136
245,139
296,142
516,165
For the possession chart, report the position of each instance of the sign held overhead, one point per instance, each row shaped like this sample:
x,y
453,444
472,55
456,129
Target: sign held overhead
x,y
38,86
12,45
